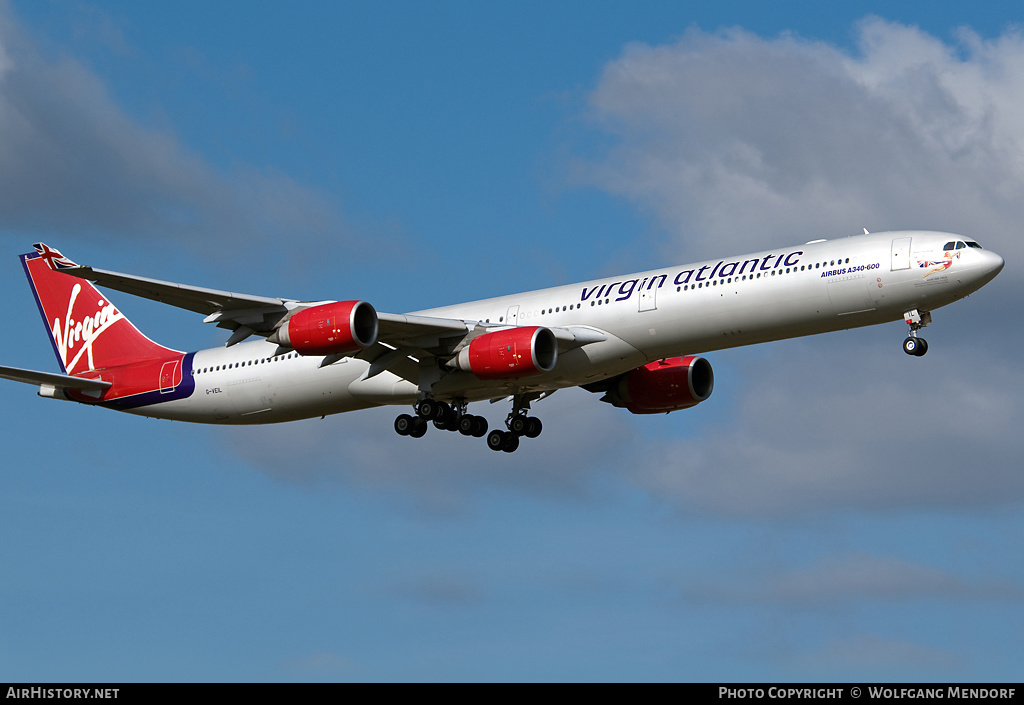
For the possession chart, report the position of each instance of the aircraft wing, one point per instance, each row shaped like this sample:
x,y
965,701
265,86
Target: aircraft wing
x,y
446,335
232,310
258,313
193,298
246,314
242,313
402,329
52,379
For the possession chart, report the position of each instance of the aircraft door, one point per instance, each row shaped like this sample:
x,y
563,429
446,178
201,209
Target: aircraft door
x,y
648,297
901,253
170,376
512,317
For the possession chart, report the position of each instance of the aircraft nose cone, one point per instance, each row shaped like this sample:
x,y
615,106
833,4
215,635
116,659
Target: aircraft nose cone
x,y
996,262
989,265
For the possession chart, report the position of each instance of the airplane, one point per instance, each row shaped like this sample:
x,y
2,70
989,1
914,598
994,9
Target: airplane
x,y
636,339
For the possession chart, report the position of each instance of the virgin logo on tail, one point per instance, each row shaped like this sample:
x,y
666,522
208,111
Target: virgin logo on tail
x,y
86,331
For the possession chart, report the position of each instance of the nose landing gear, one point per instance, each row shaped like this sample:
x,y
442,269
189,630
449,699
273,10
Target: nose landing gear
x,y
915,345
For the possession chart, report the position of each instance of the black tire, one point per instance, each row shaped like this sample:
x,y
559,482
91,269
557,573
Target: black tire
x,y
534,427
922,347
911,346
419,428
518,425
441,424
479,427
404,424
511,443
466,424
443,411
426,409
496,439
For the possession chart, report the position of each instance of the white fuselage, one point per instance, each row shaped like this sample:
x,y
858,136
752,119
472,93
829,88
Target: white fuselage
x,y
687,309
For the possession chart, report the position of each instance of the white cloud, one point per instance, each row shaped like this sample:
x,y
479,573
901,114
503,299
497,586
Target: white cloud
x,y
731,140
852,429
72,162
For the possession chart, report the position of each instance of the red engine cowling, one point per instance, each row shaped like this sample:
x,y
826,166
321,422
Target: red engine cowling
x,y
340,327
663,386
510,353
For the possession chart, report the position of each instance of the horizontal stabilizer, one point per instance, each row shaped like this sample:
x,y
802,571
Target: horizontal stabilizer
x,y
52,379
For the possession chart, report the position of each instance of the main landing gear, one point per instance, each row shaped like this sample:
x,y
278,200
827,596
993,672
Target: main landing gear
x,y
443,416
455,418
519,425
914,345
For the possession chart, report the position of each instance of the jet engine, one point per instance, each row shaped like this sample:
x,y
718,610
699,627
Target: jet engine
x,y
663,386
509,353
327,329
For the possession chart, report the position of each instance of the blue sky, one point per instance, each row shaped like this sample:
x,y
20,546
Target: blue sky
x,y
835,511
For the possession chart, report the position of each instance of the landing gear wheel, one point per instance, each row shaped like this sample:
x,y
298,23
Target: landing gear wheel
x,y
466,424
511,443
915,346
446,418
444,412
427,409
496,439
916,320
533,427
518,425
419,427
404,424
479,427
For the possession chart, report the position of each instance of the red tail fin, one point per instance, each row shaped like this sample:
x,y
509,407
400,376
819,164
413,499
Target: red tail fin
x,y
86,329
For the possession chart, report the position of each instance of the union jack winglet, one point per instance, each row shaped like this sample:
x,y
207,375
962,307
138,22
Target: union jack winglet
x,y
53,258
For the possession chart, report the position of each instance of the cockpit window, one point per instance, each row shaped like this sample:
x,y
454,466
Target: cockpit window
x,y
960,244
